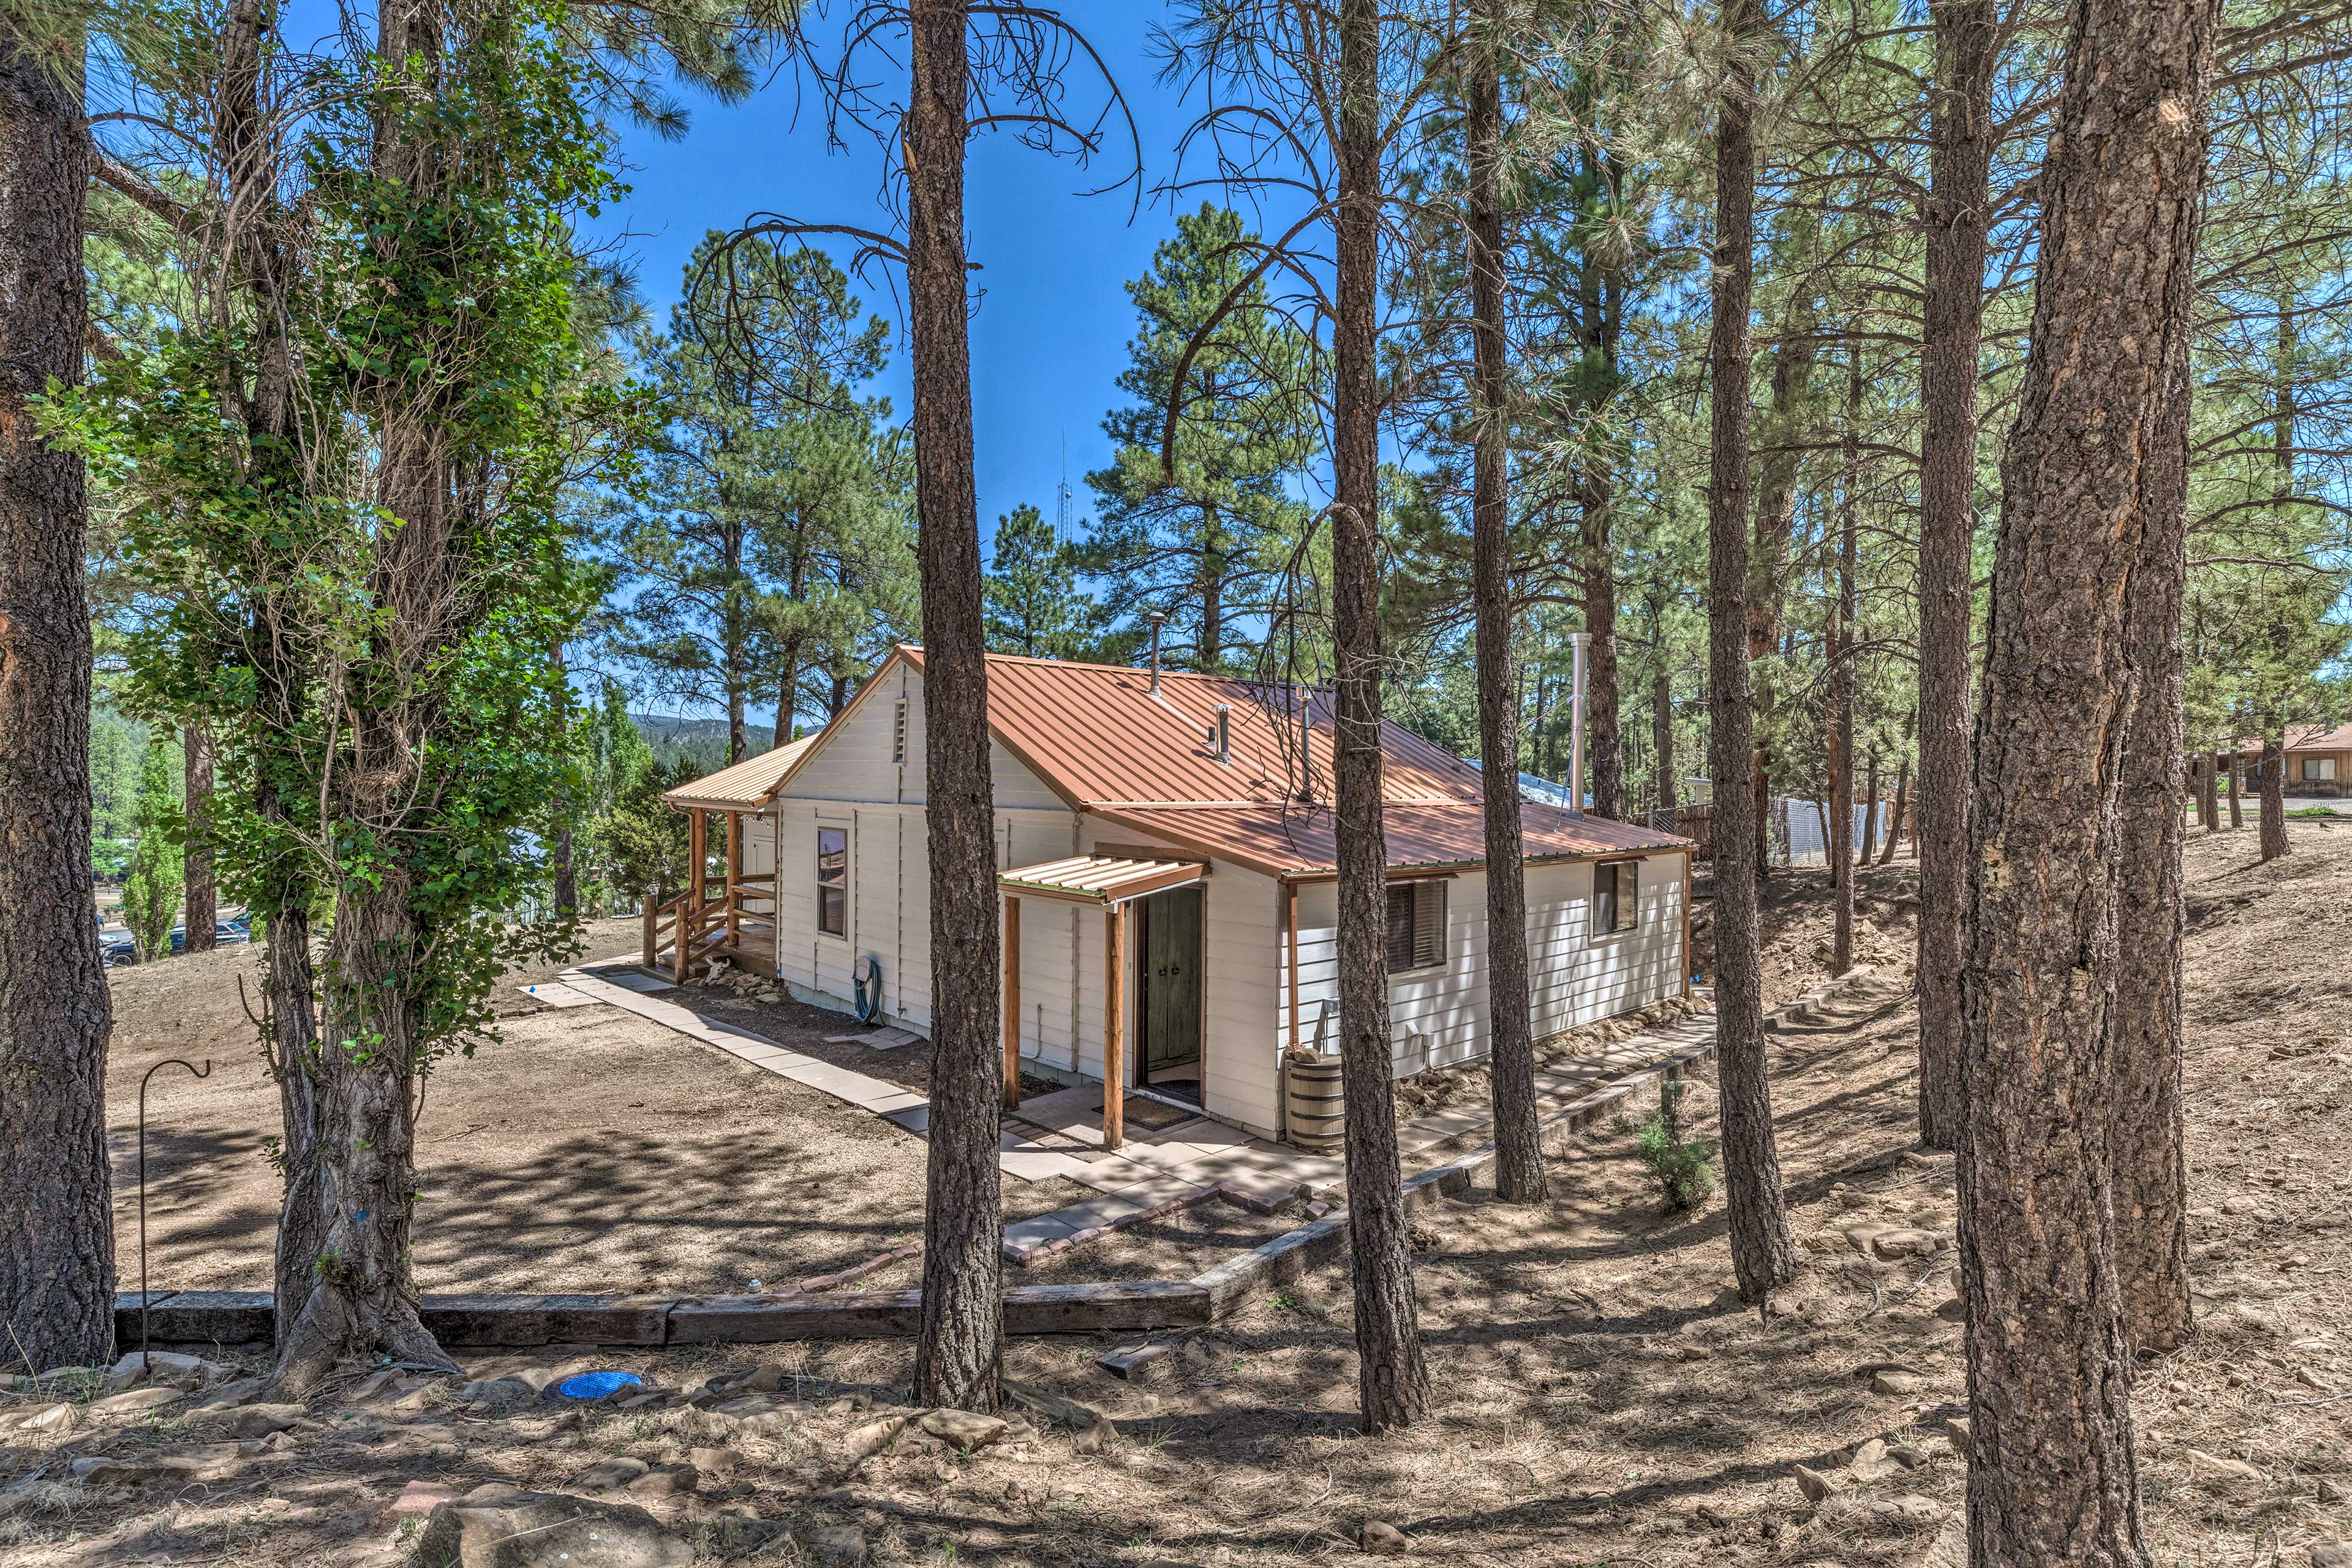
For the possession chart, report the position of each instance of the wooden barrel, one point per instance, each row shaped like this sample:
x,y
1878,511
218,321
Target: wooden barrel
x,y
1318,1106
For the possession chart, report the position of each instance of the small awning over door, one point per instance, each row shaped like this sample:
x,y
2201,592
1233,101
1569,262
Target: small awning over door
x,y
1103,879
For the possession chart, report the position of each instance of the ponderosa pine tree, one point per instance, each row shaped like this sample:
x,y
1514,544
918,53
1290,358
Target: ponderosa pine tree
x,y
1961,137
1519,1140
1761,1251
2092,484
1035,606
56,1226
1204,545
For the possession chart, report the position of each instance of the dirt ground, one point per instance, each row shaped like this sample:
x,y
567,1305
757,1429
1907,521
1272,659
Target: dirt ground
x,y
589,1150
1601,1396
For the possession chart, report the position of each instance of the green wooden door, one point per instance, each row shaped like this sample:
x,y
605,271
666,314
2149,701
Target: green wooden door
x,y
1172,979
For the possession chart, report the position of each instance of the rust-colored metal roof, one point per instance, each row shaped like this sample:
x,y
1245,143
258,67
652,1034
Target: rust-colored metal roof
x,y
1102,739
1099,878
1299,841
744,785
1097,734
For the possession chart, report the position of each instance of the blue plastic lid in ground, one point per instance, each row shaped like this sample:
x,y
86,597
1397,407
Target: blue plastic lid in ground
x,y
596,1384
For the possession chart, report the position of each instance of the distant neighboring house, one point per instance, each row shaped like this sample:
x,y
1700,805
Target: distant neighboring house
x,y
2318,760
1166,882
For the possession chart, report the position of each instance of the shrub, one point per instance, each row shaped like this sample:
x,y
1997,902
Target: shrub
x,y
1684,1168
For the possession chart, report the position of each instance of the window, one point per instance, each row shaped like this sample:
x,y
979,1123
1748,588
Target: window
x,y
1616,895
832,880
1416,925
2318,770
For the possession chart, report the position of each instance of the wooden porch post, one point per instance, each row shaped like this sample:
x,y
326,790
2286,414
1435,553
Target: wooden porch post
x,y
690,917
1114,1118
1011,1002
734,879
651,915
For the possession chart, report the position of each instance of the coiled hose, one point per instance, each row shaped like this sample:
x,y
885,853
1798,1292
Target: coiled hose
x,y
865,979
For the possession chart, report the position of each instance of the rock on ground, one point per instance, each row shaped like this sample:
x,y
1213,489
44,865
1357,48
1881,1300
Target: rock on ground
x,y
545,1530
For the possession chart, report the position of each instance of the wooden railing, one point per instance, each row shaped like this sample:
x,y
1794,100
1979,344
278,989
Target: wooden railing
x,y
680,925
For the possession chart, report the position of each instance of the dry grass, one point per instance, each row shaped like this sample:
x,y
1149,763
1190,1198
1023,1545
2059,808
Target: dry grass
x,y
1599,1395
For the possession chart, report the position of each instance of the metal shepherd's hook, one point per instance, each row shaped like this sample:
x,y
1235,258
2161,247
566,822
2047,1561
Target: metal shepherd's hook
x,y
193,1071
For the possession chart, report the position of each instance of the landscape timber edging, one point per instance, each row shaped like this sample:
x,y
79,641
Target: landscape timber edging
x,y
483,1320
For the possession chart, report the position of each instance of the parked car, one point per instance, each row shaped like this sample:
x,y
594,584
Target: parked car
x,y
225,933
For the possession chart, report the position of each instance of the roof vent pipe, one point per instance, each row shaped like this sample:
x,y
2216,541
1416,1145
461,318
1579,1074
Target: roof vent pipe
x,y
1156,617
1224,733
1575,641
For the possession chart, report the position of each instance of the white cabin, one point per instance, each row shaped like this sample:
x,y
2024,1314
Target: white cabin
x,y
1123,818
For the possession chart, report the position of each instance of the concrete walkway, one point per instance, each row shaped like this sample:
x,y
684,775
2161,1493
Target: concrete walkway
x,y
1060,1134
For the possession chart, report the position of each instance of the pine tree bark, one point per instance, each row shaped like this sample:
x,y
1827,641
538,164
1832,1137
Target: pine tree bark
x,y
1761,1252
1662,736
2237,787
1392,1381
2145,1139
1961,144
1869,810
959,1355
1895,813
2273,809
2208,795
56,1229
200,896
2089,476
1518,1142
1842,680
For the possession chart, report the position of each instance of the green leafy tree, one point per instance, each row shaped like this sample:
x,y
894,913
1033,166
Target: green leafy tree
x,y
1207,546
638,845
151,891
1034,603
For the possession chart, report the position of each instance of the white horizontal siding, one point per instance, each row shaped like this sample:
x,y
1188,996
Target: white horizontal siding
x,y
1440,1017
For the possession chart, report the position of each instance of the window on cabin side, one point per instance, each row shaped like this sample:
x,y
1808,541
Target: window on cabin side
x,y
1616,895
1416,925
832,880
2317,770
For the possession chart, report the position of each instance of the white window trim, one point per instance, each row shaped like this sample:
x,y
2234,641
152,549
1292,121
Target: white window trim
x,y
847,827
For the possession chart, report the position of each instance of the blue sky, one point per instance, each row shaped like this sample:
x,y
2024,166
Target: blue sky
x,y
1051,332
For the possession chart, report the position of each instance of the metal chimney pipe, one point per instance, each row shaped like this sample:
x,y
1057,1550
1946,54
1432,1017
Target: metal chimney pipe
x,y
1156,617
1575,641
1224,733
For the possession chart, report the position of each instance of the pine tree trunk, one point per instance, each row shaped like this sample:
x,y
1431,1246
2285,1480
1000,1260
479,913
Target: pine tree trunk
x,y
1869,810
2274,801
200,895
788,685
960,1352
1518,1144
1961,142
1761,1253
1661,730
1896,813
2145,1139
57,1230
2208,795
1603,727
2237,787
1392,1381
1842,681
2092,471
